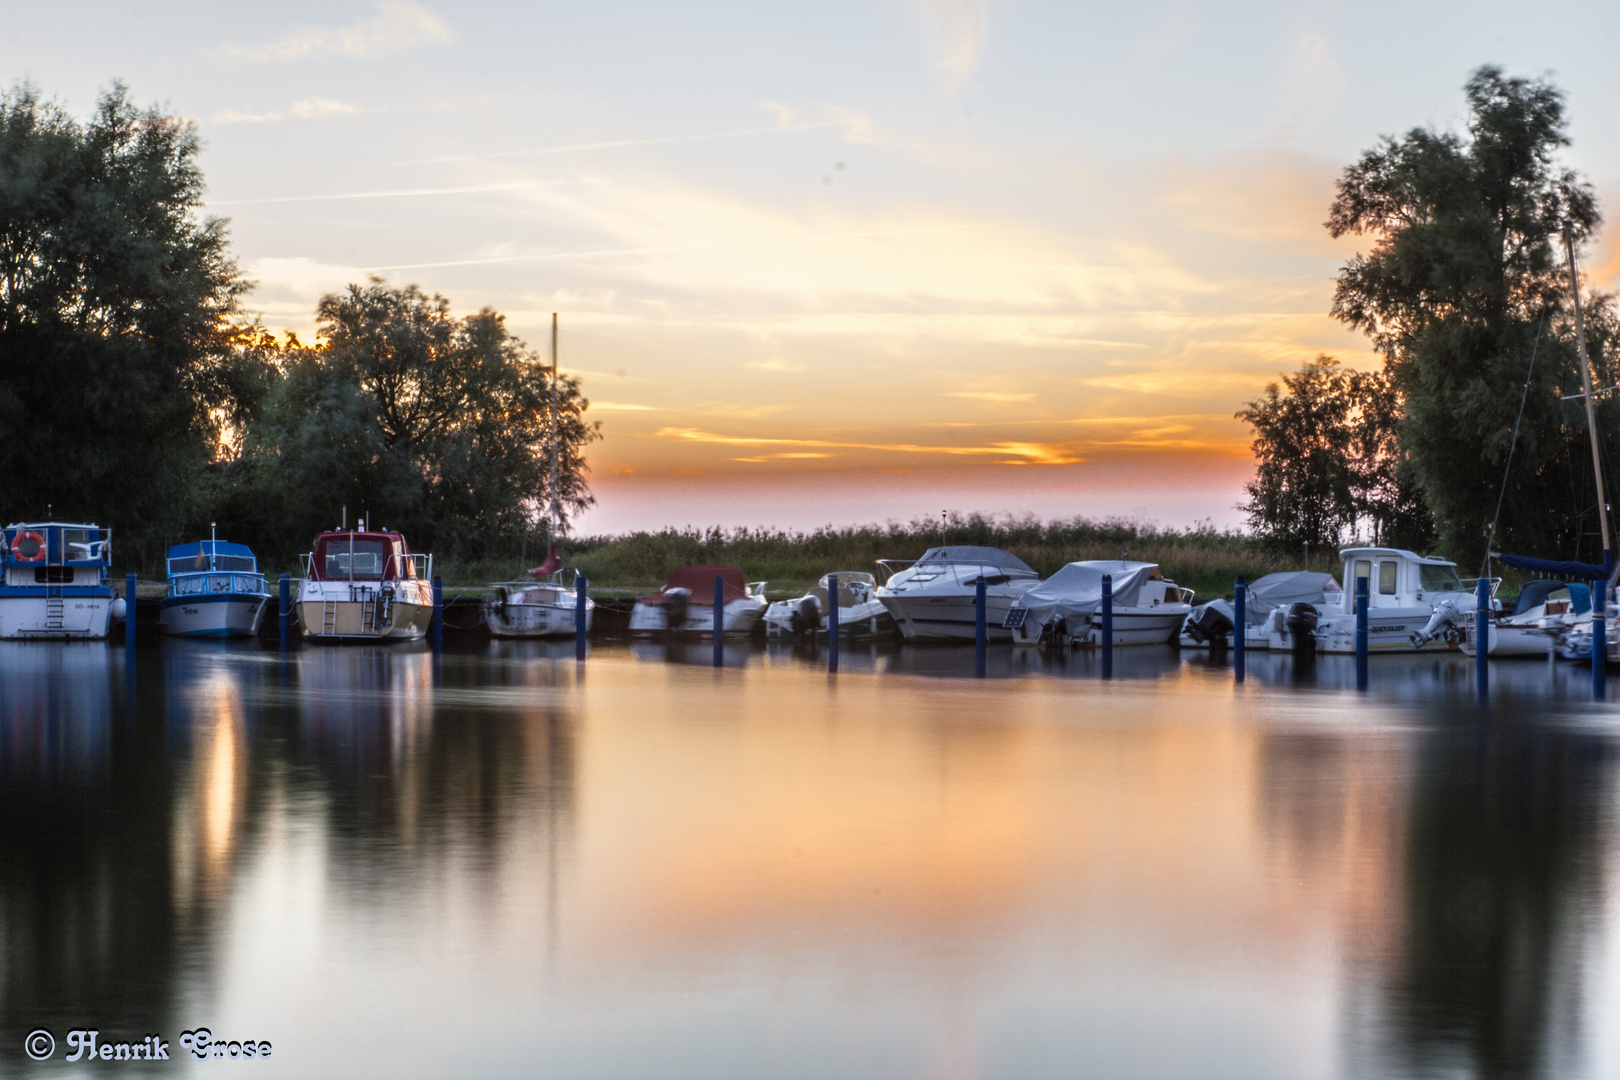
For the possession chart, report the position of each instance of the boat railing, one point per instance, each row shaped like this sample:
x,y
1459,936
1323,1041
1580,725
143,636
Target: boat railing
x,y
890,567
757,588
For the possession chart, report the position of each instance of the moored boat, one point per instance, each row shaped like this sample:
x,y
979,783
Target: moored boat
x,y
1277,607
214,590
1404,591
860,613
685,604
55,584
935,597
537,609
362,585
1066,608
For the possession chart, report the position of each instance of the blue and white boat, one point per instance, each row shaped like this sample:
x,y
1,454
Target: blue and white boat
x,y
55,585
215,590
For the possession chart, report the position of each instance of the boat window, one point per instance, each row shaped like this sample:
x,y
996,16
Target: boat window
x,y
1362,569
369,557
1439,579
234,562
1388,573
190,564
188,586
53,575
247,583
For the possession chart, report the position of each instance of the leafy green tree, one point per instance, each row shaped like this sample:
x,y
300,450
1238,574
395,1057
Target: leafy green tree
x,y
116,358
1465,277
436,425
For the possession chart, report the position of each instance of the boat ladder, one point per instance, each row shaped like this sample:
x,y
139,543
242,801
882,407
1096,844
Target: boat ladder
x,y
53,613
368,615
329,618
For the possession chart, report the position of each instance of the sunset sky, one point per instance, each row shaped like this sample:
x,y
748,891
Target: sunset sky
x,y
838,263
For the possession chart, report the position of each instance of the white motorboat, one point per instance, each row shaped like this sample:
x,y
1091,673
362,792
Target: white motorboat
x,y
365,586
860,613
1067,607
1268,603
55,584
1545,611
685,605
535,609
214,590
1404,591
935,597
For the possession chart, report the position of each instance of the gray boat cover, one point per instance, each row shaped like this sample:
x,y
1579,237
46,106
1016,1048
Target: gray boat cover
x,y
1075,591
977,556
1274,591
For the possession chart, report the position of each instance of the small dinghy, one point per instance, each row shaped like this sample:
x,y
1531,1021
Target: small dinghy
x,y
1067,607
685,605
860,613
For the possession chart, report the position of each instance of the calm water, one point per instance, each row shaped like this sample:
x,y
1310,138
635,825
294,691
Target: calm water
x,y
500,863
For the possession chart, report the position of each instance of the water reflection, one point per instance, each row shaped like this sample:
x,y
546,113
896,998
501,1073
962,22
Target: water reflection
x,y
378,855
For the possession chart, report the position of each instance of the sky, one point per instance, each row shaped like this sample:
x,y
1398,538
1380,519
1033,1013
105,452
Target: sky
x,y
838,263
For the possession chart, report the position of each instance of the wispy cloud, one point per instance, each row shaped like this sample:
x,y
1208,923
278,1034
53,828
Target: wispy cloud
x,y
313,108
1023,453
997,396
960,24
398,26
245,116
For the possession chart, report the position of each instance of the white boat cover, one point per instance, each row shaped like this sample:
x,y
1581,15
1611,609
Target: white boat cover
x,y
977,556
1075,591
1279,590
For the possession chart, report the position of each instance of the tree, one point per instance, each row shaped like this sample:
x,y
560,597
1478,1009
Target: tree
x,y
115,308
436,425
1464,279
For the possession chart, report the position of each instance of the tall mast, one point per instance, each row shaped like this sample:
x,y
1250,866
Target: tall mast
x,y
556,450
1586,382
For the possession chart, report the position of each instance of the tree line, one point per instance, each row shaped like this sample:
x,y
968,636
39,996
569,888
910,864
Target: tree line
x,y
136,391
1465,295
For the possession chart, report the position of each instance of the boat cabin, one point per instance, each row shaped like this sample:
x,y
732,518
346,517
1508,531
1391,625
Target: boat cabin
x,y
213,566
56,553
364,556
1397,578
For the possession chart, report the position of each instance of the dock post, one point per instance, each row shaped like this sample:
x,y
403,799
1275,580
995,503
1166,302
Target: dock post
x,y
1362,598
1108,626
832,624
286,610
438,612
582,594
719,621
981,628
130,621
1482,637
1600,642
1240,627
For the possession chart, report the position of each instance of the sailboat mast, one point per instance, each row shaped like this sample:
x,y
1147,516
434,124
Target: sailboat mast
x,y
1586,383
556,449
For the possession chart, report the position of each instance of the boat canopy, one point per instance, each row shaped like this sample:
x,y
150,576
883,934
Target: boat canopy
x,y
1535,593
1075,591
1580,570
195,558
976,556
699,582
1273,591
361,556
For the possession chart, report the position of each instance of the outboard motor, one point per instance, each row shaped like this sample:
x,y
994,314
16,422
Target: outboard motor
x,y
806,618
675,605
1208,624
1301,625
1443,621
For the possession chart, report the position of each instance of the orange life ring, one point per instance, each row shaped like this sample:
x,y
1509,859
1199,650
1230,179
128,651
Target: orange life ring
x,y
33,538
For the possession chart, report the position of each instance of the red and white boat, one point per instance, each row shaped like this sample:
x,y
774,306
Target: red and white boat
x,y
361,585
685,605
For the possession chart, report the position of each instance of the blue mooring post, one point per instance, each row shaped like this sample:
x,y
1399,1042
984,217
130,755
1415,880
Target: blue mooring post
x,y
1482,637
130,621
582,593
832,624
1108,626
719,621
1361,633
1600,643
286,610
981,628
438,612
1240,627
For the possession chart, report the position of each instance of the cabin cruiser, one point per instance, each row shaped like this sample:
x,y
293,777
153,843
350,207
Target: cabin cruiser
x,y
934,598
363,585
214,590
1067,607
860,613
1404,589
536,609
55,584
685,605
1274,611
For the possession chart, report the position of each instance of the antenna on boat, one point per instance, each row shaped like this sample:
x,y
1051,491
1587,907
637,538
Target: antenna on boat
x,y
345,526
1586,383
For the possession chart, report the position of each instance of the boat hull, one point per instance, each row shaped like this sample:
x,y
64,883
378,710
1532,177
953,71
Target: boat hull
x,y
1387,632
536,620
738,617
74,615
225,615
1511,641
951,617
343,611
1153,627
867,620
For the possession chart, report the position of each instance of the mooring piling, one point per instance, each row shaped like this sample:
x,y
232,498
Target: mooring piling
x,y
832,624
719,621
1482,636
981,627
1240,627
1362,599
582,596
438,612
286,610
130,621
1108,626
1600,642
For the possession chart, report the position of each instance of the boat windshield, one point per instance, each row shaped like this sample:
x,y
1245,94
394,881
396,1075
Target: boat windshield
x,y
369,559
1439,578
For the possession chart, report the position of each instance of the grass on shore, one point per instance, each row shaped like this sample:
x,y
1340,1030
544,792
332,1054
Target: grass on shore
x,y
1201,558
